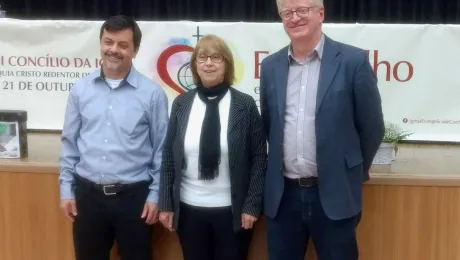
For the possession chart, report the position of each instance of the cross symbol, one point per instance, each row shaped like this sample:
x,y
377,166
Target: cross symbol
x,y
197,35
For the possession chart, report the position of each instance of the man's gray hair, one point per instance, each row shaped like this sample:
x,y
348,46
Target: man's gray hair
x,y
320,3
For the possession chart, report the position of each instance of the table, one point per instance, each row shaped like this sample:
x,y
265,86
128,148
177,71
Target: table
x,y
411,209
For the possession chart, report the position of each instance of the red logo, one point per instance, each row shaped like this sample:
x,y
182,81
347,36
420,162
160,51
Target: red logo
x,y
163,70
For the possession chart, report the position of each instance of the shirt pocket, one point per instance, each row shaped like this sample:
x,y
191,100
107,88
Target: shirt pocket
x,y
133,121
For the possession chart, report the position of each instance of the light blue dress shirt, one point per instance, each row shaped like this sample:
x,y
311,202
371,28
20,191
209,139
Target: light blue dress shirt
x,y
113,135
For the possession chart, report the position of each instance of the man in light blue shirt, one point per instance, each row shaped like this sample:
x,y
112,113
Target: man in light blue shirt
x,y
115,125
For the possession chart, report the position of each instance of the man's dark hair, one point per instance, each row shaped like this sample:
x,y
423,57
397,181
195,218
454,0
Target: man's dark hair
x,y
119,23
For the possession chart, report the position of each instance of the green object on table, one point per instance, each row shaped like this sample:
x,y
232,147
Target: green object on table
x,y
3,128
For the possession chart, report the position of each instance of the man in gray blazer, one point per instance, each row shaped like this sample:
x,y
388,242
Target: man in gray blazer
x,y
322,113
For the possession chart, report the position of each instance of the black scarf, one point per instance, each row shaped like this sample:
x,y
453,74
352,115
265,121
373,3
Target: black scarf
x,y
209,156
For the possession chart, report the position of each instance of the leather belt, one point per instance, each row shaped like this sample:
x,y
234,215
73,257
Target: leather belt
x,y
303,182
110,189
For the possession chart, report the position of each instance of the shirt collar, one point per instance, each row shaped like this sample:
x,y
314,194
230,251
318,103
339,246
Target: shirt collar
x,y
318,49
130,78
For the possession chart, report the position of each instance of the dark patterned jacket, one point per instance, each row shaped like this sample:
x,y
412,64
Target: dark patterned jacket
x,y
247,148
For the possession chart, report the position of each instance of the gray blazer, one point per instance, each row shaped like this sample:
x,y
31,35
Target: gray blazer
x,y
247,156
349,126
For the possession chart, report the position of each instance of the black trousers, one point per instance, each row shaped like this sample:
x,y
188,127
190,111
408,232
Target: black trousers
x,y
102,219
207,234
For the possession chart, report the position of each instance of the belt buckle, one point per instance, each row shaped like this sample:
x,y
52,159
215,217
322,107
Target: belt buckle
x,y
108,193
303,185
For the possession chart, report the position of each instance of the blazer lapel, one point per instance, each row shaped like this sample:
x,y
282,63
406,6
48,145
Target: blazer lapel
x,y
329,66
281,71
235,123
183,115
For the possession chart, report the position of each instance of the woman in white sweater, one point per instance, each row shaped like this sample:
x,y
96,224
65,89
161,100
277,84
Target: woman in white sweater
x,y
214,161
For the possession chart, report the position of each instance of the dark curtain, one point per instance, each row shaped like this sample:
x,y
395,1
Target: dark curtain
x,y
337,11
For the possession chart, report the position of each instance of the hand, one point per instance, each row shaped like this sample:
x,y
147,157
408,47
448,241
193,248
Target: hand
x,y
69,209
150,213
166,218
247,221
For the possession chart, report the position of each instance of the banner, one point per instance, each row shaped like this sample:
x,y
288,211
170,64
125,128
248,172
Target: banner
x,y
416,65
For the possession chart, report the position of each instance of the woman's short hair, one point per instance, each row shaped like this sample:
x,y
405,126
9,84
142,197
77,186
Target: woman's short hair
x,y
215,43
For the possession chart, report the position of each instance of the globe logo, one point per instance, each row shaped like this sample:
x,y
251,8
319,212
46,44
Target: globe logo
x,y
185,77
184,74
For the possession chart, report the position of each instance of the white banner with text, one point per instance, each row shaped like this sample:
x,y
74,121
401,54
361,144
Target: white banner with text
x,y
416,65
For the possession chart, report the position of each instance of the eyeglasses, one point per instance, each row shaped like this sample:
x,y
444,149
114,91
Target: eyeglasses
x,y
301,12
216,58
